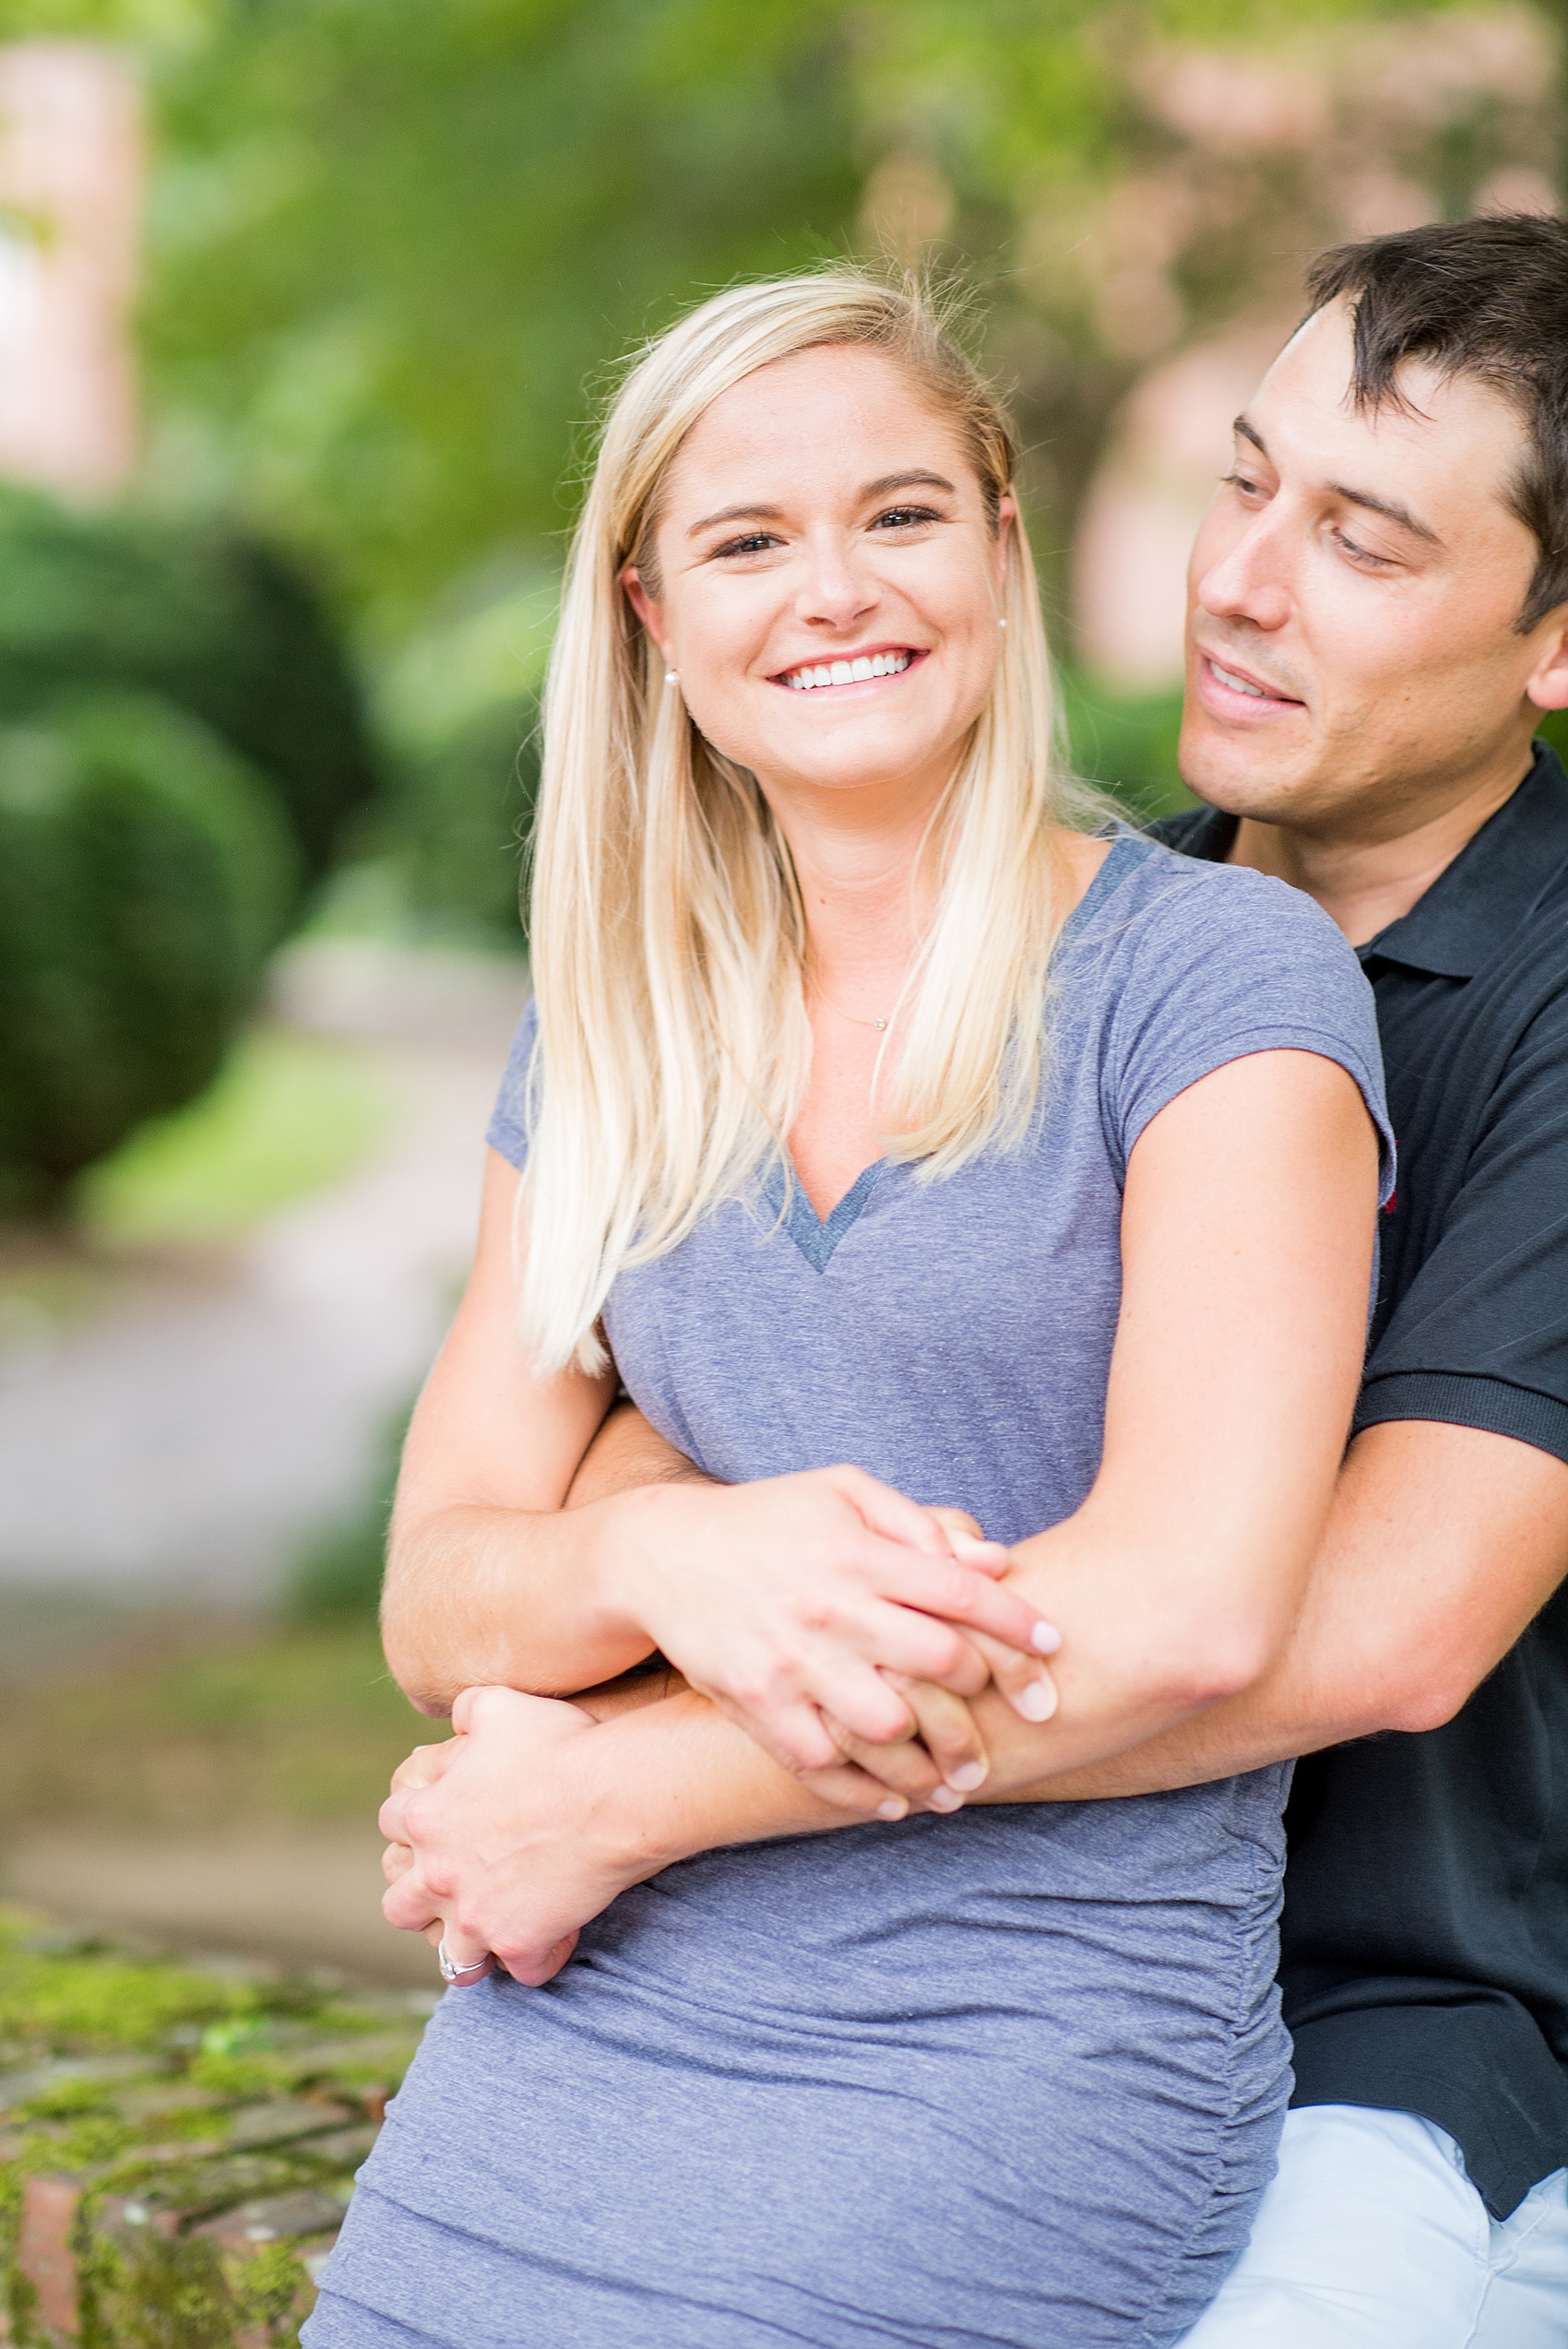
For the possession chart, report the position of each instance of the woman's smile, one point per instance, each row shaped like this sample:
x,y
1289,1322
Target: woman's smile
x,y
849,668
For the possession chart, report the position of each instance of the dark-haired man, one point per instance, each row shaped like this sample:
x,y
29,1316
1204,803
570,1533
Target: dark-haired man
x,y
1378,601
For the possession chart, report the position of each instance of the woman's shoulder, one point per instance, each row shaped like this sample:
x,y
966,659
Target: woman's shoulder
x,y
1180,966
1150,901
1166,942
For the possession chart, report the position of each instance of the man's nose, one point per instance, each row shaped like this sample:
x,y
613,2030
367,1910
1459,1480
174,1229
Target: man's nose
x,y
1247,582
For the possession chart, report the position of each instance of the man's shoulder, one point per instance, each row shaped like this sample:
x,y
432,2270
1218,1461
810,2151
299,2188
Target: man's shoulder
x,y
1194,832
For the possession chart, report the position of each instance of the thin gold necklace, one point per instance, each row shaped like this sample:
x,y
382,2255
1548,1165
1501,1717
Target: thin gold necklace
x,y
853,1017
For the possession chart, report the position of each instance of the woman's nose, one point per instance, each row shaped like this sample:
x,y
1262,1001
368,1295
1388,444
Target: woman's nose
x,y
834,591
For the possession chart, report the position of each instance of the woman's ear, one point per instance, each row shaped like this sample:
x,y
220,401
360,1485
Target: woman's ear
x,y
643,604
1007,516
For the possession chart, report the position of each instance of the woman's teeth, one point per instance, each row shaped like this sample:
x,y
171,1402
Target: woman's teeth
x,y
846,672
1238,685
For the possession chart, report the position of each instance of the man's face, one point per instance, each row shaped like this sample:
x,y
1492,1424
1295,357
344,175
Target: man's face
x,y
1351,654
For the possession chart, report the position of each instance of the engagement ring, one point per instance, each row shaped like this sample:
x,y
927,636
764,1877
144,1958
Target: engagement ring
x,y
464,1977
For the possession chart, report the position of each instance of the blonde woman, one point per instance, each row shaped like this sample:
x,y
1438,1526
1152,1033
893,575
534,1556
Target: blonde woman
x,y
921,1164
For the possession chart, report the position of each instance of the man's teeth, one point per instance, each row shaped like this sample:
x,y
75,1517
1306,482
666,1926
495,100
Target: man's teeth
x,y
1238,685
848,672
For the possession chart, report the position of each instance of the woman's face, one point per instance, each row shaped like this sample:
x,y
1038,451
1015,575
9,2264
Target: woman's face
x,y
829,580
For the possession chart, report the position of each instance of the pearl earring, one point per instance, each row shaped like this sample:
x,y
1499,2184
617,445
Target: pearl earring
x,y
1001,623
671,676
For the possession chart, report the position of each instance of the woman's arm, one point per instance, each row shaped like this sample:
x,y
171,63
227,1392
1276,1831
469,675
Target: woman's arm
x,y
780,1599
1246,1244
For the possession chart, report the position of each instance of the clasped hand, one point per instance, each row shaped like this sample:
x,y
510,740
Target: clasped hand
x,y
813,1604
498,1841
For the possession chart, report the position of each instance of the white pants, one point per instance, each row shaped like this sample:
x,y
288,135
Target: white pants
x,y
1372,2236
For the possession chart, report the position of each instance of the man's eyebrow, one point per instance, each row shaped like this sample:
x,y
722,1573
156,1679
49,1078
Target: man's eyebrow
x,y
1389,507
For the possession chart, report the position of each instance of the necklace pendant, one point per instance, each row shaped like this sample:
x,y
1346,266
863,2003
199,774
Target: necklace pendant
x,y
879,1025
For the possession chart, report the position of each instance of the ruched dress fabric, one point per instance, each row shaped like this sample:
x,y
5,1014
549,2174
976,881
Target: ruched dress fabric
x,y
1014,2077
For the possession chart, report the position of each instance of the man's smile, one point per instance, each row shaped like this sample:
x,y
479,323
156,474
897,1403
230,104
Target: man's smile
x,y
1228,690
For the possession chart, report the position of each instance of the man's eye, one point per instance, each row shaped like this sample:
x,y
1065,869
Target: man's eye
x,y
1363,554
1242,481
903,518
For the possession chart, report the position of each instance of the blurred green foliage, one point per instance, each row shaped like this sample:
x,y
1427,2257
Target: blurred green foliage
x,y
208,617
181,745
194,1725
1126,743
457,821
394,246
145,876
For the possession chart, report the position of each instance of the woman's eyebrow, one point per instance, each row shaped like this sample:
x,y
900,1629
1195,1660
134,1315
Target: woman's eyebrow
x,y
886,482
737,514
879,488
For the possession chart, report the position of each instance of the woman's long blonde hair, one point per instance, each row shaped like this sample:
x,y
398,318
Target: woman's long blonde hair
x,y
667,930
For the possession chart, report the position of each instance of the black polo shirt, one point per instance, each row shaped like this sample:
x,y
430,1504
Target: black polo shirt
x,y
1425,1933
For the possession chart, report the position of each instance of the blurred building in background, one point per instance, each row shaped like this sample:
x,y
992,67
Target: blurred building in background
x,y
72,164
1348,130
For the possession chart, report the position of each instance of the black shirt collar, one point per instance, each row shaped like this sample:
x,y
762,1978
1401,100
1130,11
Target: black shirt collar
x,y
1477,903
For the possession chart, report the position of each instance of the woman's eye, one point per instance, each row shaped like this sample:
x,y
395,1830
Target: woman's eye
x,y
904,518
755,542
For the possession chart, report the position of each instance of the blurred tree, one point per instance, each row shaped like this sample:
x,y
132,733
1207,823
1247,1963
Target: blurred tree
x,y
395,246
394,243
146,873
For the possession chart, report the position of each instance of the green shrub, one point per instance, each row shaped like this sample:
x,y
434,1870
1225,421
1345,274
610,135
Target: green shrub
x,y
457,821
146,873
206,618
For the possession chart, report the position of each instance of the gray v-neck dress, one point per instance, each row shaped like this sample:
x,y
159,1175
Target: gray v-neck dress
x,y
1014,2077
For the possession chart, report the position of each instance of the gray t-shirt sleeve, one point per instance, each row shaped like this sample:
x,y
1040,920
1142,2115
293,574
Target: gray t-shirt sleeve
x,y
1221,966
508,1129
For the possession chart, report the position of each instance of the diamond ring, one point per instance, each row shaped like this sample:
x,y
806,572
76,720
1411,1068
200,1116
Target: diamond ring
x,y
464,1977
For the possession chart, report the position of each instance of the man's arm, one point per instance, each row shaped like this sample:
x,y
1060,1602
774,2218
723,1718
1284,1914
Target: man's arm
x,y
1442,1545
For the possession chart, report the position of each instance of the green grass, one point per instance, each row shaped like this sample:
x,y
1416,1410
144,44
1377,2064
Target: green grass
x,y
289,1115
192,1727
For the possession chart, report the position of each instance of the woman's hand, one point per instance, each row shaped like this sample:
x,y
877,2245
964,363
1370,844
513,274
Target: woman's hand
x,y
944,1757
799,1596
497,1842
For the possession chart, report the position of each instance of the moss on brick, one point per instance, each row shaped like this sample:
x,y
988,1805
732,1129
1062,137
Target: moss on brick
x,y
177,2146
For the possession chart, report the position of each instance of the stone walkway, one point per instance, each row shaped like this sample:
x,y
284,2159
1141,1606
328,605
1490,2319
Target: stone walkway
x,y
188,1438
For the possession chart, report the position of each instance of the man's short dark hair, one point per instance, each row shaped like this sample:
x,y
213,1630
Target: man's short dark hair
x,y
1481,298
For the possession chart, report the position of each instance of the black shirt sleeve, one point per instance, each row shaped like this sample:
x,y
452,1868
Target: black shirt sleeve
x,y
1479,1337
